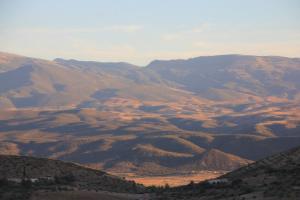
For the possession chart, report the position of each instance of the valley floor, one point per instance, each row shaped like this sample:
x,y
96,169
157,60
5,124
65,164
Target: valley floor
x,y
174,179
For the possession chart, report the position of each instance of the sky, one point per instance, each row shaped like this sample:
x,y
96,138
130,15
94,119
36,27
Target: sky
x,y
139,31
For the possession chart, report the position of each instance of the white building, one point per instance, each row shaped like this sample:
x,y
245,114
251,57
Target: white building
x,y
218,181
32,180
15,180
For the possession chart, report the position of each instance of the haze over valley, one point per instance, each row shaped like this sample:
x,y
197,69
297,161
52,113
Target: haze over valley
x,y
214,113
149,100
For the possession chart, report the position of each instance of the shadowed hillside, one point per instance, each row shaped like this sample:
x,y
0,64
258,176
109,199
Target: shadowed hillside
x,y
274,177
44,83
22,177
206,113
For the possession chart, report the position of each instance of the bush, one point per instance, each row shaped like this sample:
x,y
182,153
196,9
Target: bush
x,y
3,182
167,187
26,183
236,182
67,179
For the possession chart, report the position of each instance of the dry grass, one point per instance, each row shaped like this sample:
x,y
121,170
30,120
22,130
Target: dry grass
x,y
175,180
84,195
97,137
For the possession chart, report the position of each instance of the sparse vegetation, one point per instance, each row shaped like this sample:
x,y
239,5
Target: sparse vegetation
x,y
152,121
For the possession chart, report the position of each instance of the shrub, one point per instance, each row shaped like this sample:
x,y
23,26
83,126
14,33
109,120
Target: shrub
x,y
67,179
26,183
3,182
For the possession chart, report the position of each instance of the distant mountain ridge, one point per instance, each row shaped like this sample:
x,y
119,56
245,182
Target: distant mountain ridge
x,y
150,120
211,77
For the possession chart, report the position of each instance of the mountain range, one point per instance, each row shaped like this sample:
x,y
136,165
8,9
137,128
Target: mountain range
x,y
205,113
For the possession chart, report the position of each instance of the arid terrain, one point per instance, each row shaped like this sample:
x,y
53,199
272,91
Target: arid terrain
x,y
82,195
214,113
39,178
149,100
176,179
275,177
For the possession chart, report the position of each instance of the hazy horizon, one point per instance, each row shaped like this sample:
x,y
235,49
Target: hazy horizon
x,y
158,99
139,32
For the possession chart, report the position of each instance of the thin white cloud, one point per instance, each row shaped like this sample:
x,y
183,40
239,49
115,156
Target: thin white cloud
x,y
124,28
199,44
200,28
172,36
41,30
182,34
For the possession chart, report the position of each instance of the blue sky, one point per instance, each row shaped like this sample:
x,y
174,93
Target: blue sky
x,y
139,31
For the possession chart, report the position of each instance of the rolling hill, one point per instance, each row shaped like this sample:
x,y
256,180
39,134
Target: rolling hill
x,y
205,113
21,177
24,177
43,83
274,177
